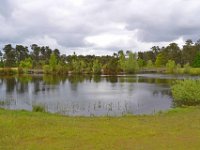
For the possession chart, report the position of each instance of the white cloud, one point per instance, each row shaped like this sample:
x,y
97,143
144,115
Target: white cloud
x,y
88,26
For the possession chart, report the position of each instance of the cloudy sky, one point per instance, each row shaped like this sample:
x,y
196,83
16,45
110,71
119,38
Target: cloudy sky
x,y
99,27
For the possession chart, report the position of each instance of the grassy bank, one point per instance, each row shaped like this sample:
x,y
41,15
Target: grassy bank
x,y
177,129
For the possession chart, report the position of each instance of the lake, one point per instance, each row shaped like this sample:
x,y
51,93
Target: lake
x,y
89,95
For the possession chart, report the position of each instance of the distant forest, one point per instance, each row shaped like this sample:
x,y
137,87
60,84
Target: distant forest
x,y
52,61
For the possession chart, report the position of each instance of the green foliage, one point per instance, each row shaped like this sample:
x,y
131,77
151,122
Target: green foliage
x,y
53,61
196,62
187,68
38,108
131,65
96,69
122,60
194,71
179,70
47,69
160,60
61,69
9,55
1,63
186,92
26,64
149,64
8,71
111,67
170,66
141,63
78,66
19,57
21,53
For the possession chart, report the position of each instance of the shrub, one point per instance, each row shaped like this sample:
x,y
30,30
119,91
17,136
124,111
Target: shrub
x,y
149,64
20,70
186,92
194,71
187,68
47,69
38,108
170,66
8,71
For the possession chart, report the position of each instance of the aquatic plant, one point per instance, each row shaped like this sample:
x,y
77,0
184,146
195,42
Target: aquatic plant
x,y
38,108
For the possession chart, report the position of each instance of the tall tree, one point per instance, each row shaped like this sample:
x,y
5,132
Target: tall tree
x,y
173,52
9,56
189,52
122,60
35,54
131,65
53,61
160,60
96,68
21,53
196,62
1,59
57,53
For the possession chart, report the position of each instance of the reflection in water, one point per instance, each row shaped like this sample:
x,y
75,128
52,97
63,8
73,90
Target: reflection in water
x,y
88,95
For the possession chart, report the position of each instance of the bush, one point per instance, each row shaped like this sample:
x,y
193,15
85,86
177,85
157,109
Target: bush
x,y
187,68
61,69
194,71
20,70
149,64
8,71
186,92
38,108
170,66
47,69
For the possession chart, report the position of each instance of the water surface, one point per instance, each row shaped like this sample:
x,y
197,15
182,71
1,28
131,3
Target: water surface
x,y
89,95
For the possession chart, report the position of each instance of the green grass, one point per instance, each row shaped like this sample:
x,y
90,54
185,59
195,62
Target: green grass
x,y
176,129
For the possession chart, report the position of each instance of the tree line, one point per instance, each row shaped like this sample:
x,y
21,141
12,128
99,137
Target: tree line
x,y
52,61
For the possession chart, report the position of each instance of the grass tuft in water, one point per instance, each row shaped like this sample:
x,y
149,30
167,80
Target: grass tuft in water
x,y
38,108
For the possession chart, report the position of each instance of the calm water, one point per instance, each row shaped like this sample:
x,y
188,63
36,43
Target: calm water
x,y
89,95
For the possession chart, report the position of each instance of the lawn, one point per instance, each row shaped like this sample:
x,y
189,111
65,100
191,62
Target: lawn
x,y
176,129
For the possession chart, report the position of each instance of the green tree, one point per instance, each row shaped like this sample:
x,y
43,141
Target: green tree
x,y
1,59
149,64
131,65
111,67
173,52
21,53
187,68
140,63
189,52
96,69
9,56
160,60
196,62
53,61
78,66
122,60
170,66
35,54
26,64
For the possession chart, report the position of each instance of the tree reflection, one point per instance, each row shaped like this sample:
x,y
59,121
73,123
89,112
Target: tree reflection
x,y
75,80
112,79
97,78
10,84
51,80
